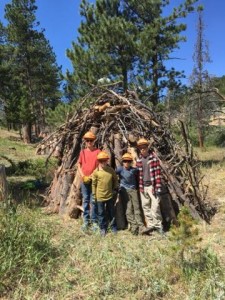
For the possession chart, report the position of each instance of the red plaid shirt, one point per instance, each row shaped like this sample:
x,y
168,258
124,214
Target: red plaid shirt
x,y
155,172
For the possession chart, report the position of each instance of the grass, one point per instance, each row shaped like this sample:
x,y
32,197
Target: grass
x,y
27,255
48,257
14,150
118,267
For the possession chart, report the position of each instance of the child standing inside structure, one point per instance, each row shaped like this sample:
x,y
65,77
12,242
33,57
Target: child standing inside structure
x,y
87,163
104,185
128,176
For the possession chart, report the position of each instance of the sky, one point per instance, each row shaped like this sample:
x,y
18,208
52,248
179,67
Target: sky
x,y
61,19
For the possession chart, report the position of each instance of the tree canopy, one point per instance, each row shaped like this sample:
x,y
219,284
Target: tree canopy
x,y
30,76
127,40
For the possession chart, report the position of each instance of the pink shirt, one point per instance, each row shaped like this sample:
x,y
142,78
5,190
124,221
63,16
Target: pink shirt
x,y
88,161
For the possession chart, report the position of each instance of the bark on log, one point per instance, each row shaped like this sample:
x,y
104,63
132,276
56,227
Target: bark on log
x,y
3,184
74,200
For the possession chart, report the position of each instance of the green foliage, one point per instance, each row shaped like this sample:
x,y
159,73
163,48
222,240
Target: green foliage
x,y
27,254
129,40
219,83
185,236
189,259
193,135
57,117
215,137
30,76
36,168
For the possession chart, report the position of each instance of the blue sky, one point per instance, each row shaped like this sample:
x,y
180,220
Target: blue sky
x,y
61,19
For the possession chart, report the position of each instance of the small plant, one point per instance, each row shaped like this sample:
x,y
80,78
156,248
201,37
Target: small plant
x,y
185,236
189,257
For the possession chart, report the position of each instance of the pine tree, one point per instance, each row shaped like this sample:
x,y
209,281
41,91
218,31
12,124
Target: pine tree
x,y
34,72
129,40
9,92
201,100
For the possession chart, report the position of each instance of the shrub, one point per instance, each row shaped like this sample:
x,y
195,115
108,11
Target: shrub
x,y
216,137
36,168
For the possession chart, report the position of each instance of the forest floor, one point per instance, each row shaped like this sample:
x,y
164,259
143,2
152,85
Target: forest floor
x,y
122,266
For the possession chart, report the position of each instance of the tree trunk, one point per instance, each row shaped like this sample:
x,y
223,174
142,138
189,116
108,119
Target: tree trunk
x,y
3,184
26,132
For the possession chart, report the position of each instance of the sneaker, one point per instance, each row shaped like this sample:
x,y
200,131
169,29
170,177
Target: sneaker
x,y
103,232
84,228
145,230
161,233
114,230
94,227
135,231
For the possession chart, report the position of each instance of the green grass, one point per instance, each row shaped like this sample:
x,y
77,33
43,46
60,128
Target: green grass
x,y
16,151
26,253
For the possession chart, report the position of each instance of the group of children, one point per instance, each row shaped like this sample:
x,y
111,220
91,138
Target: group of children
x,y
100,186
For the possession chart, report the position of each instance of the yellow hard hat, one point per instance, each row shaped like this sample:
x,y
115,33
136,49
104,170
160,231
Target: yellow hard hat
x,y
102,156
127,156
89,136
142,141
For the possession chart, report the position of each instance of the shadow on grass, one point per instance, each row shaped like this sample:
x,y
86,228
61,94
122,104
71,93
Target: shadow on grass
x,y
212,162
29,192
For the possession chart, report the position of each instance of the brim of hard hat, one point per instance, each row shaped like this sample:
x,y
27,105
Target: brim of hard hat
x,y
91,139
127,159
143,144
103,159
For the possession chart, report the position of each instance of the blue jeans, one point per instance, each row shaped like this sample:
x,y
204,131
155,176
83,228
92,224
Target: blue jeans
x,y
106,208
89,206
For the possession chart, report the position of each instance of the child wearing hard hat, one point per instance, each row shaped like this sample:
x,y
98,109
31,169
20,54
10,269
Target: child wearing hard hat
x,y
150,185
87,163
104,184
128,191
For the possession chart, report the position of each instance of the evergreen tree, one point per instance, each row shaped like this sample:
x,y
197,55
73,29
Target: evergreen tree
x,y
34,72
129,40
201,102
219,83
9,92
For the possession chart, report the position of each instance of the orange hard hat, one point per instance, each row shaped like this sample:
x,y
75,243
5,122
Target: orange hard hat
x,y
127,156
102,156
89,136
142,141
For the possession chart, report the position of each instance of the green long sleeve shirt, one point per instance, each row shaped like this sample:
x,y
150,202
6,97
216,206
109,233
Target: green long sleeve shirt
x,y
104,182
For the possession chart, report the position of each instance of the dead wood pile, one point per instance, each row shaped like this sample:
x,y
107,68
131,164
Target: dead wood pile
x,y
119,121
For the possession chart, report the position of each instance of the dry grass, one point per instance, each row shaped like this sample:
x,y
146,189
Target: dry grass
x,y
213,169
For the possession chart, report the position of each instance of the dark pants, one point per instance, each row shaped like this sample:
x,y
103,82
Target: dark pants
x,y
132,208
89,206
106,208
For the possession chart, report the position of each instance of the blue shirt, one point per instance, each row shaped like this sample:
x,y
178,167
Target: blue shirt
x,y
128,177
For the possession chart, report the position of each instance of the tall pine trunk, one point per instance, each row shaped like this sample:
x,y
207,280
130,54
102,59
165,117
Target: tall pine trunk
x,y
26,132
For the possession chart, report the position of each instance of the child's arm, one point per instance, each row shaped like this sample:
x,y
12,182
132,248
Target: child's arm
x,y
115,180
94,184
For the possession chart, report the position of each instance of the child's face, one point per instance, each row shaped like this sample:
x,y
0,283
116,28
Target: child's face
x,y
144,150
127,163
103,163
89,143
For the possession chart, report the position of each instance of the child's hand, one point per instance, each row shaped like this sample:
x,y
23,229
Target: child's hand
x,y
86,179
